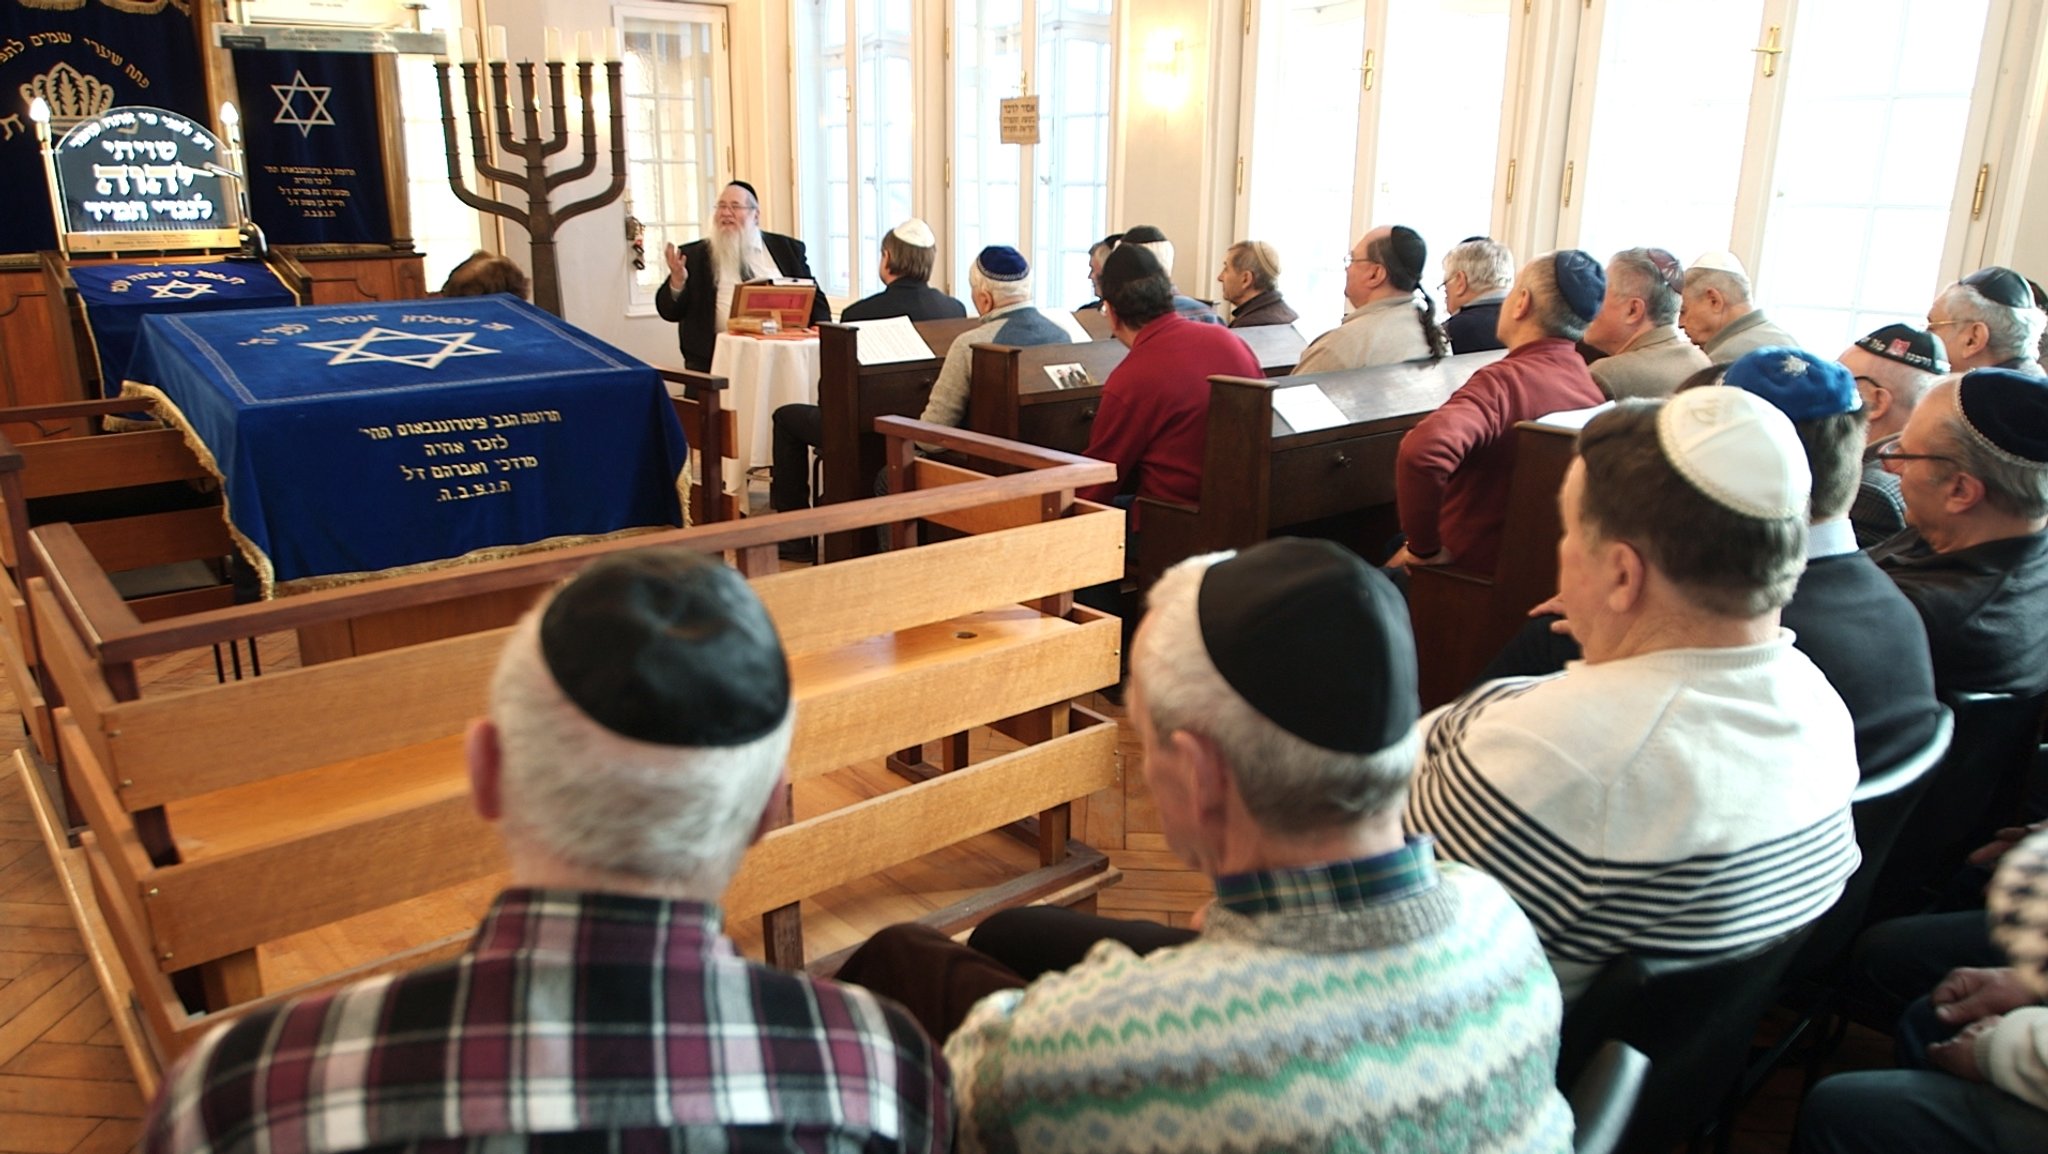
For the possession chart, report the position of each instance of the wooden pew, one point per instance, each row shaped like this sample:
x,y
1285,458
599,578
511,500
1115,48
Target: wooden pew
x,y
1463,618
1260,477
1094,321
712,431
1011,396
851,396
229,816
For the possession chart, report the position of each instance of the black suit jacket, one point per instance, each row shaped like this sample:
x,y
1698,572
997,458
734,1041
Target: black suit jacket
x,y
693,309
1470,329
904,297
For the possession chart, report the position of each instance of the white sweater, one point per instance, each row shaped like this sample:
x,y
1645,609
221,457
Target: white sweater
x,y
2014,1055
1689,801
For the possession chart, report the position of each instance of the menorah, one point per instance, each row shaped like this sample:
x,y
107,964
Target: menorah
x,y
540,218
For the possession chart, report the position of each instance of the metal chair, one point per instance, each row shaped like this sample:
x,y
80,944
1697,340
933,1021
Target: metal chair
x,y
1603,1098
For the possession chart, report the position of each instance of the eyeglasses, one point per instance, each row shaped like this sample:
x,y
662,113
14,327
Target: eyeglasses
x,y
1350,260
1889,452
731,206
1871,381
1934,324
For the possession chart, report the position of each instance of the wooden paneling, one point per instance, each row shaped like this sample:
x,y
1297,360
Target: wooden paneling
x,y
30,372
346,280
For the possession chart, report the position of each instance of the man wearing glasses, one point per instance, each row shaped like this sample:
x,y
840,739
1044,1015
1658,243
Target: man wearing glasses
x,y
1893,368
1992,318
704,274
1973,470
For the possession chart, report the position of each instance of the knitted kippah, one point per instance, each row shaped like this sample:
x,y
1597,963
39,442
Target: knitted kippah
x,y
1003,263
1580,281
1803,386
1737,450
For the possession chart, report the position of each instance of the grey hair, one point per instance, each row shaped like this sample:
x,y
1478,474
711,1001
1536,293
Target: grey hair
x,y
1728,283
1003,291
2012,487
1290,786
1555,316
606,802
1163,249
1907,385
1487,264
1640,277
2012,334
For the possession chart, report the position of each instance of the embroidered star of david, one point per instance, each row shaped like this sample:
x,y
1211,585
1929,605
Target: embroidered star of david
x,y
357,351
1794,367
288,112
178,290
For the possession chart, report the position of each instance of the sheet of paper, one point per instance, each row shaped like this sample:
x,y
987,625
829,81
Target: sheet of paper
x,y
1307,408
1574,418
891,339
1065,320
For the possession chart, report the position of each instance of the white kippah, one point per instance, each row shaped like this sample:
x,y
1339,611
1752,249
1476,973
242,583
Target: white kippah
x,y
914,233
2018,904
1738,450
1720,262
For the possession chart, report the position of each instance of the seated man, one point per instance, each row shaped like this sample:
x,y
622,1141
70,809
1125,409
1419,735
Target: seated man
x,y
704,274
1153,422
1972,465
1477,276
906,272
1453,471
1346,991
1894,367
485,273
1097,253
639,721
1718,314
1638,327
1387,323
1644,800
1153,241
1990,319
1250,279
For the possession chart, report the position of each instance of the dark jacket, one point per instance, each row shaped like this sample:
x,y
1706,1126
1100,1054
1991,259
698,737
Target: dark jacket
x,y
904,297
1986,609
697,329
1264,309
1849,618
1470,329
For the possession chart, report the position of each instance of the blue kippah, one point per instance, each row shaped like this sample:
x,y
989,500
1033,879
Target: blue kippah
x,y
1803,386
1001,262
2007,410
1580,281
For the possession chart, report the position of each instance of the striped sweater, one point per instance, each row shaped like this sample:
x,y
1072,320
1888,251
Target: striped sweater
x,y
1424,1022
1687,801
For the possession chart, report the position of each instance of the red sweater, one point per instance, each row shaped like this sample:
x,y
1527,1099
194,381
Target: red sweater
x,y
1154,415
1455,467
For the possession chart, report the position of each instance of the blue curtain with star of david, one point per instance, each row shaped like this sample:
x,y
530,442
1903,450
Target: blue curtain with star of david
x,y
316,160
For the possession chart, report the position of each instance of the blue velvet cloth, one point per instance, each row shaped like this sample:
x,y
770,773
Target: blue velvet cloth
x,y
118,296
355,439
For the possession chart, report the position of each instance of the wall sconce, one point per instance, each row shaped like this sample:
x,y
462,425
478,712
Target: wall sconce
x,y
1162,71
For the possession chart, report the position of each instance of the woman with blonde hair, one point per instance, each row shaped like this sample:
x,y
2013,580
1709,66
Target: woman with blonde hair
x,y
1250,280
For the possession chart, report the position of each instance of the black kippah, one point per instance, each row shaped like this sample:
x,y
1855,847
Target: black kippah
x,y
748,187
1406,257
1314,639
2001,285
2007,410
667,646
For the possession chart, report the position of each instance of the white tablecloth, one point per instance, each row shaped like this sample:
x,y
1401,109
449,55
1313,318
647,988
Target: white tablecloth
x,y
761,375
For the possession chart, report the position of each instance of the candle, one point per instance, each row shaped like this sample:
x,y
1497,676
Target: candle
x,y
551,41
496,49
455,38
583,46
472,46
614,45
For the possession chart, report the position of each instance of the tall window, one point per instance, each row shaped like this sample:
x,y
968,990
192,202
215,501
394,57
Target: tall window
x,y
444,230
857,138
677,116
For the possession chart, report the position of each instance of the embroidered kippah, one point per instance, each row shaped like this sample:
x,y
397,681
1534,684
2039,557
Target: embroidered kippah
x,y
1737,450
1908,346
1804,387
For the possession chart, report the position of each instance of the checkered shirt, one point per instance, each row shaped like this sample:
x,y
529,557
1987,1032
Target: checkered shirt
x,y
1335,887
576,1021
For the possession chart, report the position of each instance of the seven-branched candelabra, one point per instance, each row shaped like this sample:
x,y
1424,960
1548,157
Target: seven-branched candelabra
x,y
540,217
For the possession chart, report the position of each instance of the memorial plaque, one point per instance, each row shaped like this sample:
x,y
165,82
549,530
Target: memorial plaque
x,y
140,178
1020,120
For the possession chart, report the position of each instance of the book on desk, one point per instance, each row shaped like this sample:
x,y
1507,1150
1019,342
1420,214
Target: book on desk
x,y
772,305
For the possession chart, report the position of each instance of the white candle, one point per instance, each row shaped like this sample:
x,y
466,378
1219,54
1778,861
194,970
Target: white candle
x,y
614,45
454,37
551,42
583,46
496,51
472,46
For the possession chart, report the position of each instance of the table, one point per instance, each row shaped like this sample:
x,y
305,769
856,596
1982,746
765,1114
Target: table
x,y
368,439
117,296
762,374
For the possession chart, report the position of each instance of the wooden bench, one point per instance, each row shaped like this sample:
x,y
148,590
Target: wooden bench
x,y
1463,618
712,432
229,816
1259,477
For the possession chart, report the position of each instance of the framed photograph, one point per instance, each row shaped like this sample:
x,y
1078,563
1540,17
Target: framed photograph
x,y
1069,376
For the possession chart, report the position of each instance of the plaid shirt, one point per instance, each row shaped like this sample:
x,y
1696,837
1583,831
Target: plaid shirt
x,y
576,1021
1336,886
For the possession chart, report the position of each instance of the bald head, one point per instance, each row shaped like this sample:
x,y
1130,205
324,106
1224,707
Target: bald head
x,y
1891,390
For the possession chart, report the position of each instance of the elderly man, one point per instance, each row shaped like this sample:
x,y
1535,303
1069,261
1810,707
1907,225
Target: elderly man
x,y
906,272
704,274
1641,801
1154,241
1717,314
639,721
1097,253
1638,327
1894,367
1972,465
1250,280
1390,320
1345,992
1990,319
1477,276
1452,474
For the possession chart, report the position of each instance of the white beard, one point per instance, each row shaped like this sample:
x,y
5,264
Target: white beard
x,y
739,249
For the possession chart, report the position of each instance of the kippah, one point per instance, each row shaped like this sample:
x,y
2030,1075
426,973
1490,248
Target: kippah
x,y
2001,285
1580,281
1738,451
2007,411
1721,261
1803,386
2018,905
748,187
914,233
1001,262
1908,346
667,646
1142,234
1314,639
1407,257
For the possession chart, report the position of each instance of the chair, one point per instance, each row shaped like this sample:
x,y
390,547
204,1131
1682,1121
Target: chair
x,y
1692,1017
1604,1097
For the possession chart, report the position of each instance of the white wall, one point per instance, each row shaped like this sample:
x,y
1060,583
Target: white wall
x,y
1166,170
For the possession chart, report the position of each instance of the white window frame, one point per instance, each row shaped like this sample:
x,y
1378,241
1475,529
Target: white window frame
x,y
639,298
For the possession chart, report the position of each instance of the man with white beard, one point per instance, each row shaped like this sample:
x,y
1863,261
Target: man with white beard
x,y
703,274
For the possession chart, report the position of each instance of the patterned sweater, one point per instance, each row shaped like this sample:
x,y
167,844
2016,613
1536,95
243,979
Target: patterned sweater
x,y
1323,1009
